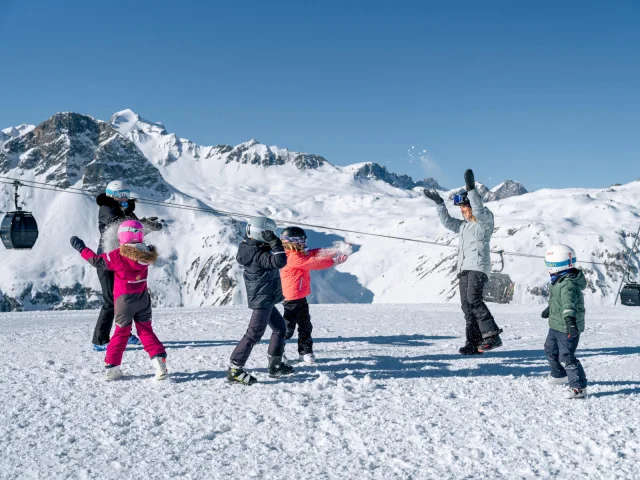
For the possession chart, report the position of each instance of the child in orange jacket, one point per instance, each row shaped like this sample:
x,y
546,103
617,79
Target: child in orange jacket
x,y
296,285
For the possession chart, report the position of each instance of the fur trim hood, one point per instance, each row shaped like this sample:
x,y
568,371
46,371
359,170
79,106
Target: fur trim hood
x,y
139,252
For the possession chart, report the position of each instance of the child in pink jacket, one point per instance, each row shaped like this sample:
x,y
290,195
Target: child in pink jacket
x,y
130,263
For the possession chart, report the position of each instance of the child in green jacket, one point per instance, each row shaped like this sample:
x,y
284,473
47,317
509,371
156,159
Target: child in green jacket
x,y
566,320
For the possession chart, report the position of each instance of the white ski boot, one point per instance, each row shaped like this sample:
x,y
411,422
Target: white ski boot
x,y
577,393
160,364
307,358
237,374
113,373
556,381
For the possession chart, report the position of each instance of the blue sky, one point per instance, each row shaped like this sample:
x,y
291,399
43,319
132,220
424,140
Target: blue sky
x,y
543,92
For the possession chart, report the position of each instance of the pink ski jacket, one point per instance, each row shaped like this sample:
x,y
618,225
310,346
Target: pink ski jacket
x,y
130,265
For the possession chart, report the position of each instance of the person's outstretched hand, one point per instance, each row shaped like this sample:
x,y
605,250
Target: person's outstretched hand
x,y
469,179
77,244
433,195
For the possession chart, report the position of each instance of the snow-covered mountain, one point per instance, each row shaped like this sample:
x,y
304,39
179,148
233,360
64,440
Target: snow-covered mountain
x,y
198,248
374,171
506,189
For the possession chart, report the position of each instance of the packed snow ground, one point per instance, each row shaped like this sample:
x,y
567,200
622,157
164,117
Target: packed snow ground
x,y
388,398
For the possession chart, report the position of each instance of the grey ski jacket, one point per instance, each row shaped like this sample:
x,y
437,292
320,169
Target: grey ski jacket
x,y
474,252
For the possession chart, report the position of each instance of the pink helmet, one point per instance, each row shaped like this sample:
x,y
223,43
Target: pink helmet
x,y
131,231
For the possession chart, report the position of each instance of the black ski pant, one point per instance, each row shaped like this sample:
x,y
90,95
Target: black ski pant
x,y
296,312
480,322
102,332
260,318
560,351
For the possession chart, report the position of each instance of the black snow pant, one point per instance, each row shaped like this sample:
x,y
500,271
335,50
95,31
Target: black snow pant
x,y
102,332
480,322
257,326
560,351
296,312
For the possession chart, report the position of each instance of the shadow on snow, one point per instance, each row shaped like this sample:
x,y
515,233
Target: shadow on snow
x,y
514,363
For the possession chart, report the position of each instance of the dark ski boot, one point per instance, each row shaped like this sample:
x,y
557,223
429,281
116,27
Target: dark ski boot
x,y
491,343
470,349
277,367
237,374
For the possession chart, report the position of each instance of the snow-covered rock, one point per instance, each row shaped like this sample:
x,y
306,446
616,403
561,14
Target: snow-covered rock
x,y
506,189
163,148
375,171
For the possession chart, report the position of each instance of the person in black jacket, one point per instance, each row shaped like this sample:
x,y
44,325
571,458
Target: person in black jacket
x,y
116,206
262,255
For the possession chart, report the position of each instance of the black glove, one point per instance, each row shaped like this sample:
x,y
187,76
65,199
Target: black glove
x,y
572,327
469,179
78,244
545,313
271,238
268,236
151,224
131,206
433,195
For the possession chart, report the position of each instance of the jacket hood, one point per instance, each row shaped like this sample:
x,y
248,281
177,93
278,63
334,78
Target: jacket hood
x,y
139,252
574,275
581,280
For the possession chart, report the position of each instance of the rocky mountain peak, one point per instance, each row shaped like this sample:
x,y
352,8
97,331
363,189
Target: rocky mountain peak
x,y
69,147
506,189
509,188
375,171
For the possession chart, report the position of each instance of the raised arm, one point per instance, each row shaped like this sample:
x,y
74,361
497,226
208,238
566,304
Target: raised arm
x,y
482,213
277,258
317,259
447,220
105,261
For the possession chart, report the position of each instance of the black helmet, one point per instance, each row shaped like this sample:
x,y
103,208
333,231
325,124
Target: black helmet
x,y
294,235
461,199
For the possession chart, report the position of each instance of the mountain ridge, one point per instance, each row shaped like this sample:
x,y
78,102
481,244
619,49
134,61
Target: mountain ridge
x,y
198,265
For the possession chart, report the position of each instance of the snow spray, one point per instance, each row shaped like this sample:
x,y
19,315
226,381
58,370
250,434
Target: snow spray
x,y
338,248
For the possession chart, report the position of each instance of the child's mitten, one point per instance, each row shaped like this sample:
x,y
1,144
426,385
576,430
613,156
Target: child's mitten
x,y
339,259
78,244
572,327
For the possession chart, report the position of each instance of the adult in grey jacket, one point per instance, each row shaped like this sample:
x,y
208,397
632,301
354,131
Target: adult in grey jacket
x,y
474,264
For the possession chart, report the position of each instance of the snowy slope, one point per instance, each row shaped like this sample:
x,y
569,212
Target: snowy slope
x,y
388,399
71,150
293,187
598,223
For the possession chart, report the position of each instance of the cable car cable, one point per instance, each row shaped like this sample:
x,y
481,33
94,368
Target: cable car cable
x,y
238,215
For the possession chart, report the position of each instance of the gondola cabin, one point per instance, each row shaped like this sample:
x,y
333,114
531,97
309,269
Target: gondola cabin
x,y
19,230
630,295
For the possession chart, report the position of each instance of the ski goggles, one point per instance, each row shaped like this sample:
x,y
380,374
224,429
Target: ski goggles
x,y
120,195
460,199
130,229
297,240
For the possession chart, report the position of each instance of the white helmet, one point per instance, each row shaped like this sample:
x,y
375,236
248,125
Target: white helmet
x,y
256,226
560,258
118,190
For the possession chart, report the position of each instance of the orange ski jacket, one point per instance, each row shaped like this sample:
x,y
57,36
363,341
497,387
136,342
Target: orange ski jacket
x,y
296,279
